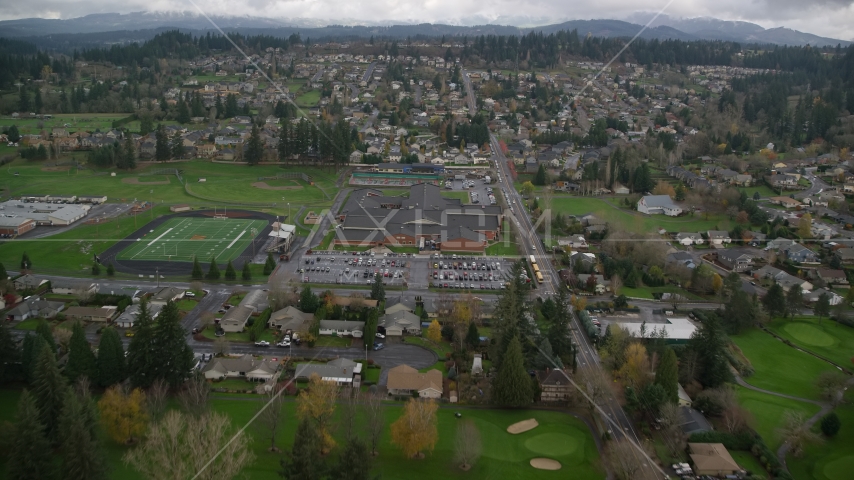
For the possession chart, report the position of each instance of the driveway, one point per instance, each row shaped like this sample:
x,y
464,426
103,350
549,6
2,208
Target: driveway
x,y
399,354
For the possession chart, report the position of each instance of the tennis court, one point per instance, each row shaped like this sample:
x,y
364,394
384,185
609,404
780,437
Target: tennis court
x,y
181,239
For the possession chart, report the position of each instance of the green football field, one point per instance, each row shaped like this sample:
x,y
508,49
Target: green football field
x,y
181,239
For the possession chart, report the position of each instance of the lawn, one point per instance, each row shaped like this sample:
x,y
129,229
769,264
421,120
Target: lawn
x,y
183,239
780,368
834,459
829,339
29,324
636,222
647,292
371,375
505,247
768,412
747,461
327,239
308,99
332,341
234,384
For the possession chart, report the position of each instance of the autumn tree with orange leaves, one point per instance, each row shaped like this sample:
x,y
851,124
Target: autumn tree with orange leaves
x,y
415,431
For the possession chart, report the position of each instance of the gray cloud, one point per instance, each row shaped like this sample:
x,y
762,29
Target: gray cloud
x,y
822,17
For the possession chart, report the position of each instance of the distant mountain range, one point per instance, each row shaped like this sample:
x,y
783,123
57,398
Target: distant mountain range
x,y
143,25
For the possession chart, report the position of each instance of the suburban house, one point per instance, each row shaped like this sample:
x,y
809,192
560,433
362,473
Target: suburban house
x,y
712,459
785,202
718,237
165,294
404,380
782,278
845,255
680,258
833,297
658,205
735,259
599,279
342,328
832,277
65,287
554,385
290,318
27,282
235,318
91,314
341,371
244,366
799,253
688,239
34,307
128,318
400,322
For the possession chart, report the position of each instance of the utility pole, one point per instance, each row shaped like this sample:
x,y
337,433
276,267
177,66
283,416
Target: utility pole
x,y
157,274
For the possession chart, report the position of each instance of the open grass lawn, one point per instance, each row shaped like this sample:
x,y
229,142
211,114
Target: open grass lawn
x,y
829,339
327,239
224,183
187,304
182,239
234,384
29,324
462,196
834,459
371,375
636,222
768,410
78,122
332,341
780,368
747,461
308,99
647,292
505,247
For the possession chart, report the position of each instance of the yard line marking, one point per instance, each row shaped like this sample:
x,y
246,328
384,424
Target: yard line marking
x,y
235,240
156,239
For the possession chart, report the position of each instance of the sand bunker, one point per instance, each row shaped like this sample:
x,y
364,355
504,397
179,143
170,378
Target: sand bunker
x,y
135,181
523,426
264,186
545,464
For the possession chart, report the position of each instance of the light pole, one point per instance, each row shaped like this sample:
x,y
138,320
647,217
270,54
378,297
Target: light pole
x,y
157,274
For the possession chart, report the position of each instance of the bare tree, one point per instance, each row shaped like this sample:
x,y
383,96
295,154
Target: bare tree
x,y
155,397
796,432
196,285
627,463
62,336
206,319
676,300
467,445
736,418
194,398
831,386
83,294
180,445
270,419
221,346
347,407
357,301
375,419
671,421
595,383
282,295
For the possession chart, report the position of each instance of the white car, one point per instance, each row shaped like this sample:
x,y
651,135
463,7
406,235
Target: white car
x,y
262,343
284,343
380,335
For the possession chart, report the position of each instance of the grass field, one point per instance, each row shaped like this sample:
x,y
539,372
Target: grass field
x,y
182,239
77,122
834,459
768,412
559,436
747,461
647,292
633,221
780,368
308,99
831,340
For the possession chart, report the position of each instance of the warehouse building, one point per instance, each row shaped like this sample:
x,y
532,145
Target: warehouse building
x,y
16,225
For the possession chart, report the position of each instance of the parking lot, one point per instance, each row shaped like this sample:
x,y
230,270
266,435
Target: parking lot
x,y
350,268
463,272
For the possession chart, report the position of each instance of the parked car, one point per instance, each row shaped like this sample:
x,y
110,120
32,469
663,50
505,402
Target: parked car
x,y
262,343
378,346
284,343
380,335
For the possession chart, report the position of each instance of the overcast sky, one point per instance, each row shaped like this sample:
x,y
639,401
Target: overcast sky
x,y
830,18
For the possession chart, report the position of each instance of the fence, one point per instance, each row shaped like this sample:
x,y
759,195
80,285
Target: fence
x,y
289,176
164,171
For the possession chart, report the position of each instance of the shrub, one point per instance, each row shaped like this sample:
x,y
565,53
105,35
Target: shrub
x,y
830,424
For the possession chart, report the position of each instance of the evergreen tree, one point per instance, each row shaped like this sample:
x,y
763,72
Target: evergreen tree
x,y
37,106
230,106
3,274
174,356
710,342
255,148
545,357
269,265
512,386
220,110
794,300
213,271
49,388
183,112
197,270
230,274
30,349
558,331
111,270
110,364
540,176
472,336
284,146
146,124
162,152
24,100
81,453
10,356
96,269
667,375
176,146
81,360
141,358
26,263
29,450
830,424
354,463
43,330
247,273
308,301
304,461
378,289
775,301
822,306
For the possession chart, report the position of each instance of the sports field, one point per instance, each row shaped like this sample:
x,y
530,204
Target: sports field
x,y
181,239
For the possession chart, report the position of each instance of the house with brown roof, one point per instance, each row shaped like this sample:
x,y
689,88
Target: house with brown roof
x,y
92,314
404,380
712,459
554,385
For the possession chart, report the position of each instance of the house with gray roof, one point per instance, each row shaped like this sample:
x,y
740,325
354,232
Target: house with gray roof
x,y
799,253
341,371
235,318
399,322
658,205
244,366
290,318
34,307
736,259
342,328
